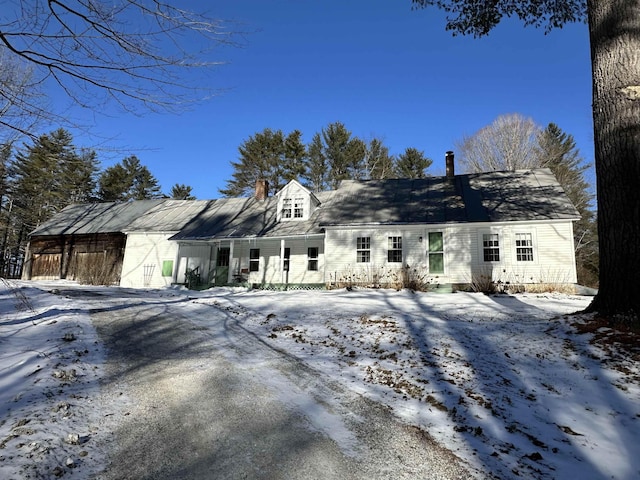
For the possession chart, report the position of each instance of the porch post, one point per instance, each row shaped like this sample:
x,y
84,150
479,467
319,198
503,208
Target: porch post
x,y
282,272
230,274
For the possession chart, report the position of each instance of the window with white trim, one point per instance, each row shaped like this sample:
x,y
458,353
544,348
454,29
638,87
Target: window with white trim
x,y
312,259
394,252
491,247
524,247
286,208
298,207
363,249
254,260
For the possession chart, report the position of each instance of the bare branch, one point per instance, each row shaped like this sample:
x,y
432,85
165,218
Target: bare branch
x,y
135,52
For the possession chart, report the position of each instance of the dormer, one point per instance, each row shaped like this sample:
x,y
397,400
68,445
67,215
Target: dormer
x,y
295,202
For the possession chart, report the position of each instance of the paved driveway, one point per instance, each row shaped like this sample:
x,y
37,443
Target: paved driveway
x,y
217,403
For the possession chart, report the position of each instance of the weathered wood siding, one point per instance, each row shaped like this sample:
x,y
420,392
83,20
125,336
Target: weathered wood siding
x,y
85,258
145,257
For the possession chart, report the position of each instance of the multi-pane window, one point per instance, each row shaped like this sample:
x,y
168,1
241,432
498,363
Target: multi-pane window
x,y
394,252
524,247
286,208
254,260
363,249
312,258
436,252
491,247
286,259
298,207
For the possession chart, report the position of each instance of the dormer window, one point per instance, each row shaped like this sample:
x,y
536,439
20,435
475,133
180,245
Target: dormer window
x,y
296,203
286,208
298,207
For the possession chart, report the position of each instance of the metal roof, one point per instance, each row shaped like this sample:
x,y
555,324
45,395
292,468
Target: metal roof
x,y
480,197
247,217
112,217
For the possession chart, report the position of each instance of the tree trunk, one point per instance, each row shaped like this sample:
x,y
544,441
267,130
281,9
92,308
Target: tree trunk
x,y
614,28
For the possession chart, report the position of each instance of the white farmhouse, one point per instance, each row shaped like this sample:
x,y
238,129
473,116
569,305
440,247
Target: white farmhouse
x,y
511,227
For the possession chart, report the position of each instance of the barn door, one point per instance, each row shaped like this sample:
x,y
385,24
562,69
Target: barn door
x,y
222,266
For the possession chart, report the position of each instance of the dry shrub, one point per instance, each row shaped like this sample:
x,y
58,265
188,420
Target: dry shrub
x,y
382,277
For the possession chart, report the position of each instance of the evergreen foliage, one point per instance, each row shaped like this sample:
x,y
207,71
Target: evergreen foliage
x,y
412,164
181,192
334,154
557,150
344,155
266,155
317,170
127,180
49,175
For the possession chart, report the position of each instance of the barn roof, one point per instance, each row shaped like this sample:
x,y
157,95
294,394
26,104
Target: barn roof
x,y
111,217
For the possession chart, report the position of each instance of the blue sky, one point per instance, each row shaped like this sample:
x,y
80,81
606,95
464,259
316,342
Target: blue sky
x,y
377,66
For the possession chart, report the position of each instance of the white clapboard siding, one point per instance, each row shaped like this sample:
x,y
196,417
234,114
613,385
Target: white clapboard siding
x,y
553,253
270,266
194,257
144,257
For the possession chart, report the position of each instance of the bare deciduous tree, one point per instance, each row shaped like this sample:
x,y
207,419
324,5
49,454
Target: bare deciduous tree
x,y
20,99
508,143
132,52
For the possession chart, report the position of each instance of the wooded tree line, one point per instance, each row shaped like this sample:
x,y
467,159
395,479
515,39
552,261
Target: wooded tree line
x,y
41,178
334,154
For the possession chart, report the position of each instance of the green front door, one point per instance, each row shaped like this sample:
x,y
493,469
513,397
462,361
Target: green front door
x,y
222,266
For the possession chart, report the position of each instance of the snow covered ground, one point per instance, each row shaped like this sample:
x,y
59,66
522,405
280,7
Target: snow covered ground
x,y
508,383
50,366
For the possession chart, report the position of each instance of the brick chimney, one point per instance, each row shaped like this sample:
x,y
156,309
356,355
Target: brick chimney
x,y
262,189
448,158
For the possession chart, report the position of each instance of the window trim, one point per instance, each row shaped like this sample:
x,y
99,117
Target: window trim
x,y
287,208
364,249
286,259
254,260
298,208
492,250
313,261
530,247
394,245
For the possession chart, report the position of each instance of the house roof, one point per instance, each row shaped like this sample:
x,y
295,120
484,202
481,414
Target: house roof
x,y
248,217
480,197
143,215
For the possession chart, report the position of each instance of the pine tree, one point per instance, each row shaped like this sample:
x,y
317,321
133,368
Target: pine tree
x,y
262,156
181,192
412,164
557,150
295,155
344,154
127,180
113,184
49,175
316,169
